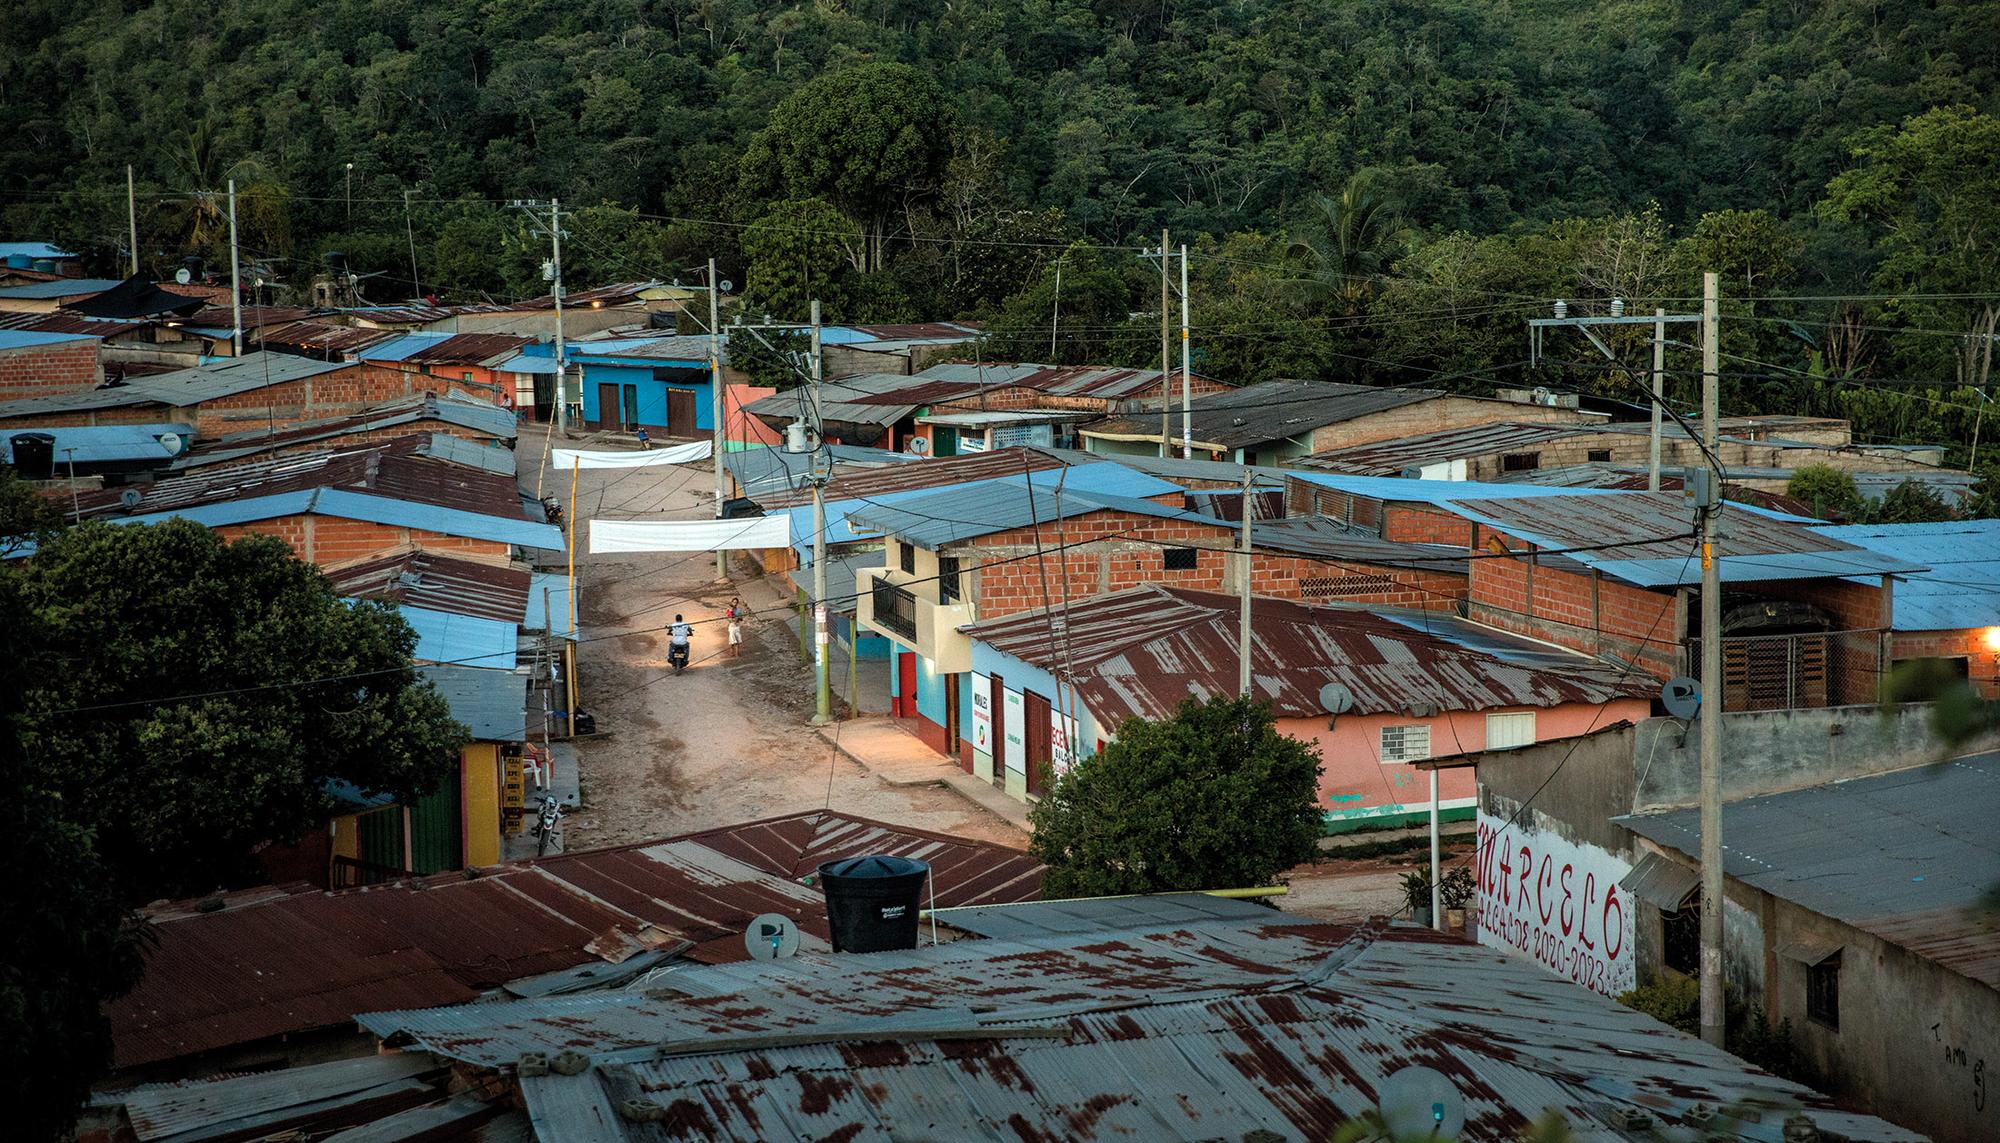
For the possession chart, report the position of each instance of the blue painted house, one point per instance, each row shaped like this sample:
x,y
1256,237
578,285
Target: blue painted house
x,y
660,384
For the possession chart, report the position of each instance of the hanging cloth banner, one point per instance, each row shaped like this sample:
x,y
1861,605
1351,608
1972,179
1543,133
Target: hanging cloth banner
x,y
690,535
568,458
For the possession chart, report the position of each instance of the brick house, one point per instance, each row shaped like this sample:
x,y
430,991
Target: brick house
x,y
462,417
234,394
34,364
468,359
1047,689
1950,611
337,506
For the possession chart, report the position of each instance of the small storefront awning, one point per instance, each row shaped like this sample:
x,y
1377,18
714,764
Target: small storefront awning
x,y
1661,881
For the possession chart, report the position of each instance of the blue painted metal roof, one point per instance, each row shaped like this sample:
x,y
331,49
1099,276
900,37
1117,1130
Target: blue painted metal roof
x,y
106,444
492,704
1961,587
362,506
59,288
548,604
1404,489
463,640
525,362
401,347
968,511
34,250
28,338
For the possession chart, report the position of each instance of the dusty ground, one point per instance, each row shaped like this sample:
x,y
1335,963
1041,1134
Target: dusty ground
x,y
727,741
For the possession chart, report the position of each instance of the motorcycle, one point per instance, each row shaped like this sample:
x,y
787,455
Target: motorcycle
x,y
677,656
552,812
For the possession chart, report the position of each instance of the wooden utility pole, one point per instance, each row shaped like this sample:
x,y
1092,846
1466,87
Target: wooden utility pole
x,y
1712,1017
1659,395
1244,563
562,350
132,217
1187,373
235,281
717,407
1166,368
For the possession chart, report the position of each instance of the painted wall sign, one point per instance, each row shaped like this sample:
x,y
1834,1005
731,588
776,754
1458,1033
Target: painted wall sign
x,y
982,713
1556,903
1017,746
1062,737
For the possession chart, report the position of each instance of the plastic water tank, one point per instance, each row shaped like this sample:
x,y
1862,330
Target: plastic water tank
x,y
872,902
34,455
20,261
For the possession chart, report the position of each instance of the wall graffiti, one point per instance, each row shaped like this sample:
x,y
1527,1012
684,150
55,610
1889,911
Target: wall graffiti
x,y
1556,903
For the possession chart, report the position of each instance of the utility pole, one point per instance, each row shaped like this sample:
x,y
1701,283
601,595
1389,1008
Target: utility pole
x,y
235,281
716,404
410,233
350,192
1055,314
1659,397
1187,374
1712,1018
822,681
1244,564
132,217
562,351
1166,368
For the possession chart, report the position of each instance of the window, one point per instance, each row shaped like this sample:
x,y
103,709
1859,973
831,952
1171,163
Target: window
x,y
1179,559
1823,992
1520,461
1506,731
467,375
908,554
948,578
1405,743
1599,454
1680,937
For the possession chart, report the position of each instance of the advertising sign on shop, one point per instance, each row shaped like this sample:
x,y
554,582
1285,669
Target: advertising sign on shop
x,y
1556,903
982,714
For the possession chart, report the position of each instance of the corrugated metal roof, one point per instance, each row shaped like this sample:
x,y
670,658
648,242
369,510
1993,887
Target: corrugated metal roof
x,y
485,457
436,582
314,337
463,640
223,317
1654,533
873,484
105,444
1142,652
34,250
29,338
491,703
768,472
59,288
1266,411
967,512
358,506
279,961
1199,1031
1324,538
185,387
1905,856
1961,587
208,1107
465,412
1101,915
64,322
448,348
1661,881
548,604
865,398
1392,457
618,293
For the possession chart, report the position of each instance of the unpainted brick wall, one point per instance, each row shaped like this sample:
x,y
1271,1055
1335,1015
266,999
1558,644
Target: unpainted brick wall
x,y
41,370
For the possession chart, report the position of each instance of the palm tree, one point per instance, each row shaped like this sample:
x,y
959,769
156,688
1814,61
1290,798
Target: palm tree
x,y
1352,239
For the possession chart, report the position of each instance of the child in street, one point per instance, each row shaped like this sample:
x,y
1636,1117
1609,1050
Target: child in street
x,y
735,627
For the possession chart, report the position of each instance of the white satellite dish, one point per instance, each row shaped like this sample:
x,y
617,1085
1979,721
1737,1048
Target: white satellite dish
x,y
918,446
726,286
130,498
771,936
182,276
1336,699
173,443
1418,1103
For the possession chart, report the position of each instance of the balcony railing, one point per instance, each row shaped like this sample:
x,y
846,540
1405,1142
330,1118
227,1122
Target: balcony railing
x,y
895,609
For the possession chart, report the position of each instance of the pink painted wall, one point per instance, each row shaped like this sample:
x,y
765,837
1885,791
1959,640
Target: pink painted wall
x,y
740,426
1351,779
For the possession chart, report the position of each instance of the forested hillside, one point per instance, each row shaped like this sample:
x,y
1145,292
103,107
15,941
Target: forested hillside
x,y
1371,189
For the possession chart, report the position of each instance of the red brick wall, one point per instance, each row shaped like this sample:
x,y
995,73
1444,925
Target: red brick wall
x,y
1854,606
1339,581
330,540
39,370
1982,661
1090,555
329,394
1421,524
1575,610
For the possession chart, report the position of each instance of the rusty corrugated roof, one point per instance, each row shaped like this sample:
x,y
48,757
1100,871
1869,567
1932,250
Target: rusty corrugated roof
x,y
876,482
469,349
438,583
292,959
1141,652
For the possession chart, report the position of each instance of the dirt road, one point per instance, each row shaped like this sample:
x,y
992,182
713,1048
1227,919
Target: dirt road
x,y
728,740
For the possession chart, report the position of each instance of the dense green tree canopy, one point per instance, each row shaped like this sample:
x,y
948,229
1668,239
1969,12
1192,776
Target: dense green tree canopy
x,y
195,697
1212,798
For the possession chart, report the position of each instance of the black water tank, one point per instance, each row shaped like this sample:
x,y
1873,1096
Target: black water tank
x,y
872,902
34,455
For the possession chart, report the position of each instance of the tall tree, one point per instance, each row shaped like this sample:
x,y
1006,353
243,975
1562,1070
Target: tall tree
x,y
1211,798
1352,238
193,698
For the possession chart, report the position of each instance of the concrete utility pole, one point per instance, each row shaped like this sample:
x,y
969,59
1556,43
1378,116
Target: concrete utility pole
x,y
1712,1018
132,216
562,351
716,403
1659,397
1244,563
1055,314
823,681
235,281
410,234
1187,373
1166,368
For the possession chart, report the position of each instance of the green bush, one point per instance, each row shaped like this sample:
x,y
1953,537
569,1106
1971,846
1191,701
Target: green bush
x,y
1676,1000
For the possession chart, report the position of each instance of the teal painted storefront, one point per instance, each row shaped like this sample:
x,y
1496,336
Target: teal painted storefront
x,y
643,389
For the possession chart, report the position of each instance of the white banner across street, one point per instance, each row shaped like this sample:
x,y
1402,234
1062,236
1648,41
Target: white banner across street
x,y
690,535
568,458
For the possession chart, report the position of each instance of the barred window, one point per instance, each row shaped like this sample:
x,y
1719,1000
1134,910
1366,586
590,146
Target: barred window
x,y
1823,992
908,553
1180,559
1405,743
948,578
1332,587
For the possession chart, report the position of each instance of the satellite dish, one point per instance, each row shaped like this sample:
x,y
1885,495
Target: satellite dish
x,y
1336,699
1681,696
173,443
726,286
130,497
1418,1103
771,936
918,446
182,276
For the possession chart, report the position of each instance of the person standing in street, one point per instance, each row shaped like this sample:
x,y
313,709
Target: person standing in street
x,y
735,627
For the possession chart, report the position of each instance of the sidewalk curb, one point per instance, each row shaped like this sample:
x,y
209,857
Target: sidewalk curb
x,y
979,794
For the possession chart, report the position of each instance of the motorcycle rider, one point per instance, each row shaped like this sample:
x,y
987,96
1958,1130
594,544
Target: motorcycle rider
x,y
678,634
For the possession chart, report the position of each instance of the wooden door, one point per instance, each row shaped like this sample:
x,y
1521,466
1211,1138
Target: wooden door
x,y
952,744
1039,736
998,706
906,689
607,405
680,413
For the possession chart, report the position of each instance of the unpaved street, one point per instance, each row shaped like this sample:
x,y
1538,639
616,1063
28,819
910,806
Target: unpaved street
x,y
727,741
